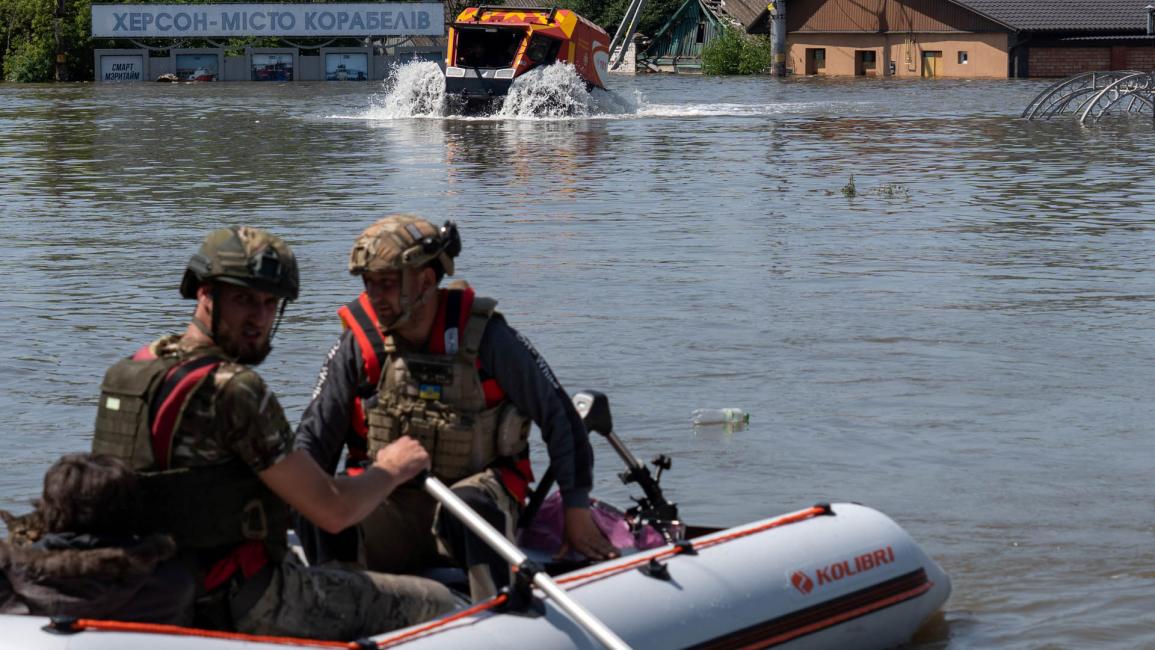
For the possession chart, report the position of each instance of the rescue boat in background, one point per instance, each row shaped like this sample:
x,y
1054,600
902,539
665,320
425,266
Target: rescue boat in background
x,y
489,47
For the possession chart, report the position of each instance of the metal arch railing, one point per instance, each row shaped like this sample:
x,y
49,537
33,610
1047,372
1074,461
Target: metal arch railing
x,y
1071,102
1056,98
1033,107
1133,91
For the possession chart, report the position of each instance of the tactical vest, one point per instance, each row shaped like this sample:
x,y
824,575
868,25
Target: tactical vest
x,y
441,396
142,401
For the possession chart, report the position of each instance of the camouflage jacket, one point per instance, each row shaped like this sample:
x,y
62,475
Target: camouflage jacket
x,y
232,415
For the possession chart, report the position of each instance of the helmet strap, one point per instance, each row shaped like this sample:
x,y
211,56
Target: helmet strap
x,y
201,326
407,306
208,331
216,311
277,324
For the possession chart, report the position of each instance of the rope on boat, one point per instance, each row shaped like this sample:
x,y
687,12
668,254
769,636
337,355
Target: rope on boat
x,y
496,601
686,547
157,628
690,548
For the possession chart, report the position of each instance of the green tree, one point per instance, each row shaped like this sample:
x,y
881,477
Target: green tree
x,y
723,53
29,60
609,13
29,47
756,56
733,52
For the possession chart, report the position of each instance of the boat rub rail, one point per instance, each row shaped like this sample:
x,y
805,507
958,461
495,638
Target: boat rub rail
x,y
67,625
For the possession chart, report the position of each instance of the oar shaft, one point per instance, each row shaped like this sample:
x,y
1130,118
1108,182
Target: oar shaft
x,y
508,551
474,521
574,609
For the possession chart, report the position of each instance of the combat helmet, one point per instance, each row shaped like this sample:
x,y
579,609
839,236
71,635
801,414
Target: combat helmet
x,y
247,257
404,241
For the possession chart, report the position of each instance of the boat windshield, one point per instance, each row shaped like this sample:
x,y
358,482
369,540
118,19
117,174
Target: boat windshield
x,y
488,47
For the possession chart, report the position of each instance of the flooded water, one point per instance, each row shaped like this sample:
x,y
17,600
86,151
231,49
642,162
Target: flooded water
x,y
965,343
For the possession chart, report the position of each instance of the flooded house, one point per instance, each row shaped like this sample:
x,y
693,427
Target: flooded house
x,y
926,38
677,45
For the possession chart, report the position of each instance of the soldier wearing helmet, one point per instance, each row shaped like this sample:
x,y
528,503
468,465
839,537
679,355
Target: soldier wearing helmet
x,y
440,365
214,455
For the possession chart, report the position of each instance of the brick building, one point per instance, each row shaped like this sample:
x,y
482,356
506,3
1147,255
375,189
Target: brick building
x,y
958,38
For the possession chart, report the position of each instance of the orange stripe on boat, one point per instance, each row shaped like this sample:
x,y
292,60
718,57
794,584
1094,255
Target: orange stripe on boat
x,y
176,630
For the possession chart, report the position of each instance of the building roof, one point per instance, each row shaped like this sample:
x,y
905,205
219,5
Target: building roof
x,y
1073,17
1129,38
747,12
1064,15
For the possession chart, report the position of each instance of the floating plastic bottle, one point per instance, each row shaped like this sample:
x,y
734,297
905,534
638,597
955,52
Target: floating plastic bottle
x,y
699,417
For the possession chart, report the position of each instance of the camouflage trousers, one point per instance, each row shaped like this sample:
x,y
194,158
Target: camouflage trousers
x,y
409,533
339,604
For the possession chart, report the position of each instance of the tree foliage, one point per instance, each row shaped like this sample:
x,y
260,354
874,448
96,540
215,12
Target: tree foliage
x,y
608,13
732,52
29,39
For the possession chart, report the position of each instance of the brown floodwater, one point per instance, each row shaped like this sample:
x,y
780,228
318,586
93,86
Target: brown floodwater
x,y
965,343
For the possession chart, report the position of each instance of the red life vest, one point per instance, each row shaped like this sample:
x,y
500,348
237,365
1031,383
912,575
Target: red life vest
x,y
453,311
360,317
175,390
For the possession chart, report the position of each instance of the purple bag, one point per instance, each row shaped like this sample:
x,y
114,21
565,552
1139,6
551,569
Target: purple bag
x,y
547,530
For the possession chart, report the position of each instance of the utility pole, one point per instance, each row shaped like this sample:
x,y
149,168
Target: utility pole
x,y
778,38
1150,9
61,70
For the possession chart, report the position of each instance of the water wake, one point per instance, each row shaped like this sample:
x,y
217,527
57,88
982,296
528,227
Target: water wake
x,y
417,90
414,89
555,92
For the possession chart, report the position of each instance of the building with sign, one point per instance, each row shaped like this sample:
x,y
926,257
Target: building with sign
x,y
392,32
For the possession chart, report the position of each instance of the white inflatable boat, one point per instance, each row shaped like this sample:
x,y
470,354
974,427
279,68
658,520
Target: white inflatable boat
x,y
843,576
828,577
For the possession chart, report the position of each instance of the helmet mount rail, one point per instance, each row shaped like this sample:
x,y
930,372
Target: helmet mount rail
x,y
247,257
404,241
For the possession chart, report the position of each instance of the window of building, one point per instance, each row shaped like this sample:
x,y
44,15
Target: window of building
x,y
271,67
701,38
962,57
868,59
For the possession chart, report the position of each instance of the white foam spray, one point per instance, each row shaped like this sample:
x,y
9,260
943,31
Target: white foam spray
x,y
415,89
555,92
